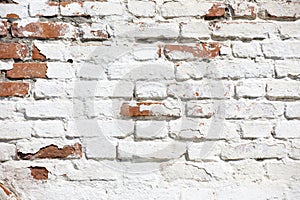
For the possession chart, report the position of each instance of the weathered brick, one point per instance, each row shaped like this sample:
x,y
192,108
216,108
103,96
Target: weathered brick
x,y
141,8
243,30
283,89
292,110
151,129
15,130
13,89
246,50
287,68
102,8
13,50
36,54
289,30
43,8
251,88
280,10
202,50
3,28
191,70
281,49
94,31
59,70
196,30
146,31
46,89
205,151
150,90
27,70
14,11
43,30
100,148
69,8
192,8
287,129
150,151
256,129
8,151
244,10
260,150
48,129
283,171
8,110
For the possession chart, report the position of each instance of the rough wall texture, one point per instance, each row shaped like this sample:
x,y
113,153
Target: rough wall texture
x,y
161,99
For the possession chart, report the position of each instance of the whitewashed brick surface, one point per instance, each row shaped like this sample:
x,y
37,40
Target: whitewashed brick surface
x,y
149,99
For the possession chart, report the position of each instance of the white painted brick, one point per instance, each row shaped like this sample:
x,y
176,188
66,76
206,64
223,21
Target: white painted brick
x,y
283,89
48,129
102,8
283,171
241,68
193,129
253,109
247,30
287,68
184,171
256,129
151,90
185,8
289,30
191,70
141,8
93,128
260,150
94,31
195,193
279,49
89,70
46,88
251,88
281,9
15,130
99,148
72,9
201,89
195,30
159,70
7,110
43,8
247,170
6,65
151,129
49,109
287,129
7,152
20,9
150,150
146,30
146,53
103,108
246,50
103,88
205,151
203,108
294,152
292,110
60,70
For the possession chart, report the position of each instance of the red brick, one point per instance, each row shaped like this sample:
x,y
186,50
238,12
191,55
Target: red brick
x,y
3,28
39,173
43,30
217,10
36,54
135,111
13,50
8,89
27,70
203,50
12,16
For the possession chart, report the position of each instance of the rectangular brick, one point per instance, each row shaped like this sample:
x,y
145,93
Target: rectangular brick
x,y
8,89
151,130
280,10
251,88
27,70
287,68
15,130
287,129
283,89
44,30
13,50
292,110
281,49
256,129
43,8
8,151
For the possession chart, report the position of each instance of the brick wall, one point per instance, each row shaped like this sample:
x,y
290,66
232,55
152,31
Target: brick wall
x,y
149,99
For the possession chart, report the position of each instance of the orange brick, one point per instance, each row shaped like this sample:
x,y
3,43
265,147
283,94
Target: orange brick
x,y
27,70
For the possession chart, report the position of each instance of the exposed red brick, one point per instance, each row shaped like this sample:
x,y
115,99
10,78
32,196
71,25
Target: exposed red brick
x,y
3,28
13,89
6,191
39,173
27,70
217,10
53,151
40,30
53,3
100,34
13,50
65,3
12,16
36,54
134,111
203,50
